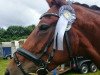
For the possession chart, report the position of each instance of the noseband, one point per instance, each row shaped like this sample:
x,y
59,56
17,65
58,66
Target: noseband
x,y
36,60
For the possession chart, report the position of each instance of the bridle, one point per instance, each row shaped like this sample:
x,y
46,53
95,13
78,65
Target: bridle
x,y
37,60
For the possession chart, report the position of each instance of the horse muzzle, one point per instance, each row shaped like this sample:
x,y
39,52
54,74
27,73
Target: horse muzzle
x,y
7,72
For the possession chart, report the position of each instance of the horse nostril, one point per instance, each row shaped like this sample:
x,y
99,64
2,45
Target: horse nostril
x,y
7,72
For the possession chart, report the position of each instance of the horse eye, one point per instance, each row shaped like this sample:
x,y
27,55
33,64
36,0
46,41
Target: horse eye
x,y
43,27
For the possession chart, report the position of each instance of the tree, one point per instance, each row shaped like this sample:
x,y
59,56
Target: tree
x,y
2,31
29,29
15,32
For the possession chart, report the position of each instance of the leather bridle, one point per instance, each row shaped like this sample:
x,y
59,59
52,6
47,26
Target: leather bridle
x,y
37,60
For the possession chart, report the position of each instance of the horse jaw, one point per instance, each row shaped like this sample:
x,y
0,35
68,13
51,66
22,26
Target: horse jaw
x,y
29,67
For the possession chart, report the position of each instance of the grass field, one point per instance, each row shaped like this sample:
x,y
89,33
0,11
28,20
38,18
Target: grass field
x,y
3,64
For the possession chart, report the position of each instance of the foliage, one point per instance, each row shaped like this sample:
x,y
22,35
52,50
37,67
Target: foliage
x,y
2,31
15,33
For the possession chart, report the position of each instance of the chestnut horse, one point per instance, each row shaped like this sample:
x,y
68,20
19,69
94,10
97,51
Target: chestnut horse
x,y
84,38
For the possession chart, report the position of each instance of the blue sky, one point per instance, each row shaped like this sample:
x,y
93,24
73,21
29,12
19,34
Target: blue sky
x,y
27,12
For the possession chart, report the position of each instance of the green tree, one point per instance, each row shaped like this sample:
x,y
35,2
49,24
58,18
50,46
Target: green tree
x,y
2,31
15,32
29,29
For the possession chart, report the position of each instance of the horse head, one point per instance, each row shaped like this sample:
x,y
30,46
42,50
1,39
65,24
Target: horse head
x,y
35,44
37,53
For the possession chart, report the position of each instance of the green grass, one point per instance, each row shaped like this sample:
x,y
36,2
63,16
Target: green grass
x,y
73,73
3,65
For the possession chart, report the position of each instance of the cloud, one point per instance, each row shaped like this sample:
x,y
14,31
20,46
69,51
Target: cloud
x,y
39,5
20,12
26,12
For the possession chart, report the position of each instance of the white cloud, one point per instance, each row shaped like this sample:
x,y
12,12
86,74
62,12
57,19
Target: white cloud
x,y
26,12
20,12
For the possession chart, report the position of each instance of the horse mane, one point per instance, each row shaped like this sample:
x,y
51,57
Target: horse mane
x,y
93,7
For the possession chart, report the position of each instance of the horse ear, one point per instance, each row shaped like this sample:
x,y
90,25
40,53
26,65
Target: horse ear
x,y
61,2
56,2
49,2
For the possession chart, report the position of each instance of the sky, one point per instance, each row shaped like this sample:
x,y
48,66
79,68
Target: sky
x,y
27,12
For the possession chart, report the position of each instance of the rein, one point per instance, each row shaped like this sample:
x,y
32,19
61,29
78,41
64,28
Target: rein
x,y
43,70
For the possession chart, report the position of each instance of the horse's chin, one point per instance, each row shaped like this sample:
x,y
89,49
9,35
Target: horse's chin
x,y
28,67
13,71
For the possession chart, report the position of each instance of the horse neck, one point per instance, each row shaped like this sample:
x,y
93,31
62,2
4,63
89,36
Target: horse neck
x,y
86,27
87,16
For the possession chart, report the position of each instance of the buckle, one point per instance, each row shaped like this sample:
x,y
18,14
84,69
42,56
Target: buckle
x,y
42,71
